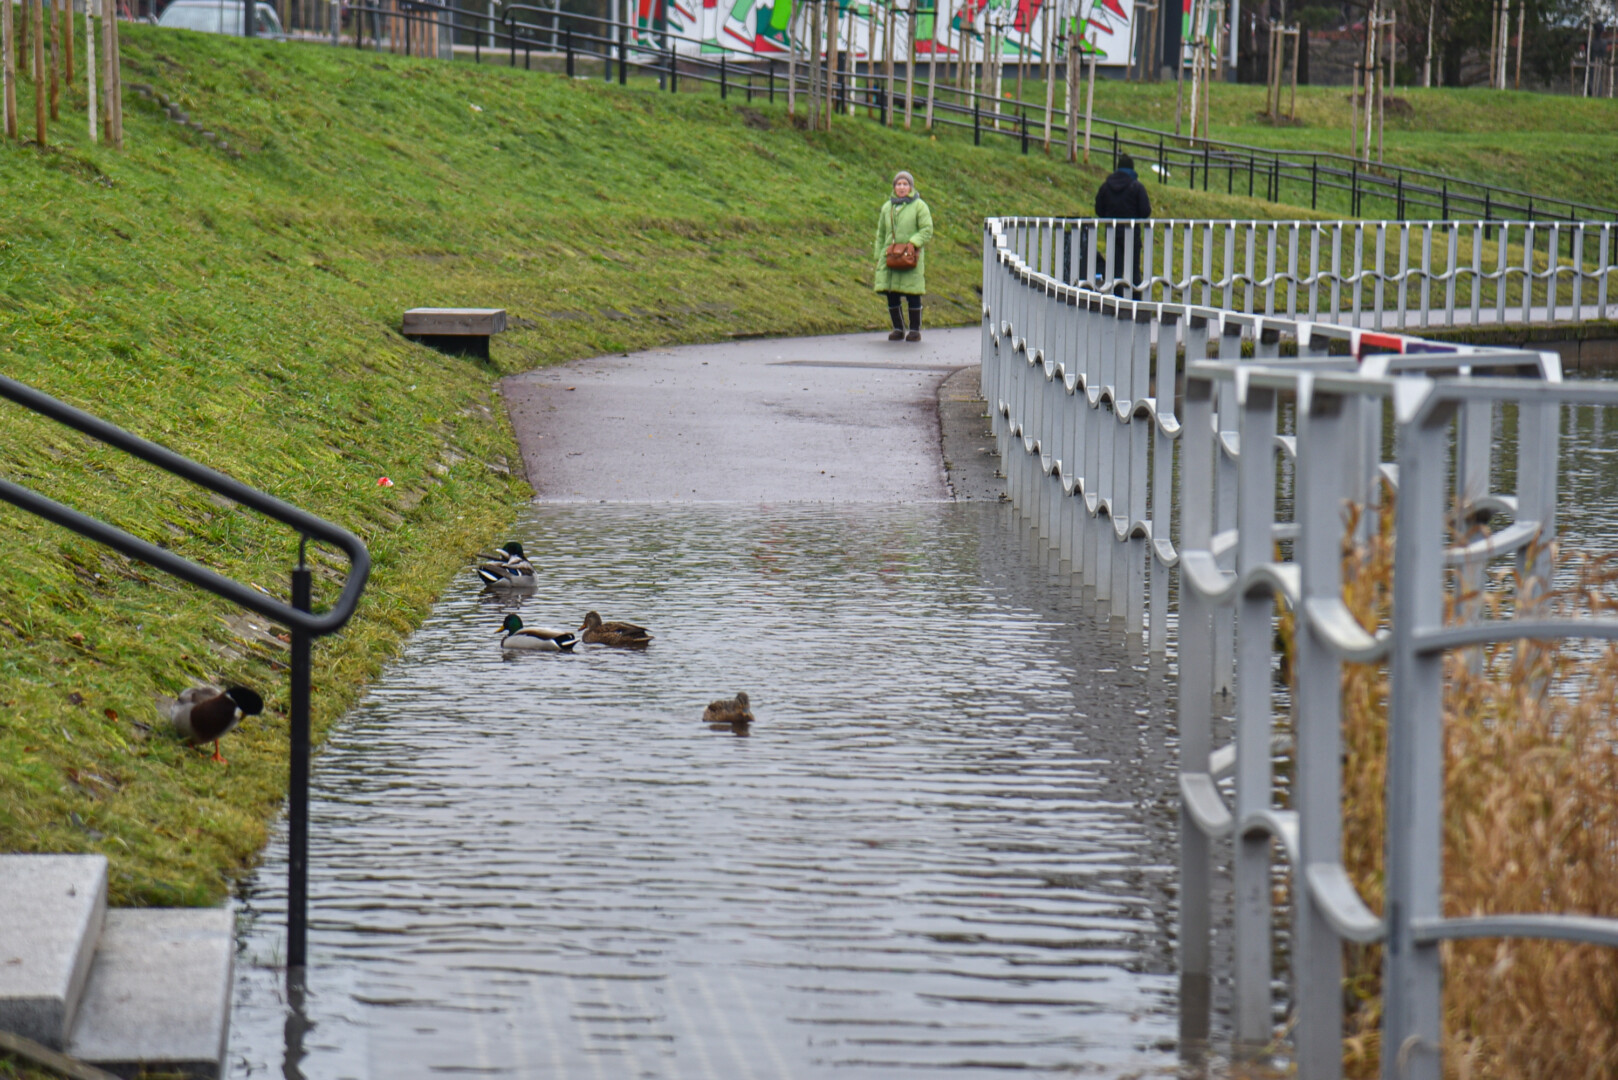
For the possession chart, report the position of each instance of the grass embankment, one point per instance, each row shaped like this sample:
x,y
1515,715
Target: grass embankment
x,y
242,310
1544,144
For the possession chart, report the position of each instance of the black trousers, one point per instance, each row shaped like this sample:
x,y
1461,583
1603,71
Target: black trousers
x,y
915,310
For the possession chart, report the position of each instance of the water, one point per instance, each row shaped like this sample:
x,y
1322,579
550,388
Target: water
x,y
947,848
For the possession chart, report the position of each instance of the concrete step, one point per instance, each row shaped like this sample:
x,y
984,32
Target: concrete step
x,y
158,996
51,913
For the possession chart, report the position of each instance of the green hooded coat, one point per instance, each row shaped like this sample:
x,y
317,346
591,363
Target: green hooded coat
x,y
912,225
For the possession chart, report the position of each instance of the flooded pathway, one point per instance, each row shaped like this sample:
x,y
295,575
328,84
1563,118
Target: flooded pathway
x,y
946,849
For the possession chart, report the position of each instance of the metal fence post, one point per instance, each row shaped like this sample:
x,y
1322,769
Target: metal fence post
x,y
1317,954
298,778
1255,513
1411,971
1197,452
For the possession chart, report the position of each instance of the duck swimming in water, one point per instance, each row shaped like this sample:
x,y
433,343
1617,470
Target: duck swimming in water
x,y
518,636
623,635
512,571
207,714
733,711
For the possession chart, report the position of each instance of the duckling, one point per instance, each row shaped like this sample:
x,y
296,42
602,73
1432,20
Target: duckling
x,y
534,637
622,634
207,713
734,712
513,571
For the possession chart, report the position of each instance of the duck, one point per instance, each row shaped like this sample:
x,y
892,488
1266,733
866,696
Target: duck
x,y
518,636
508,569
622,634
733,711
206,713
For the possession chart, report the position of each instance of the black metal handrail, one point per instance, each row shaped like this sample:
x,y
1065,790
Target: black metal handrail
x,y
304,624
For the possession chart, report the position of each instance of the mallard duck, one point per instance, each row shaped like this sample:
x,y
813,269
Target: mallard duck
x,y
206,713
508,569
534,637
622,634
733,711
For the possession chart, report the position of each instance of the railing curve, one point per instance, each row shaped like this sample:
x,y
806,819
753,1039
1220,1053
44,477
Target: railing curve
x,y
1135,469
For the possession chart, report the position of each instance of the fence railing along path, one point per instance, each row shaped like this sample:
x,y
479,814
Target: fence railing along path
x,y
1151,491
1296,177
298,616
1368,274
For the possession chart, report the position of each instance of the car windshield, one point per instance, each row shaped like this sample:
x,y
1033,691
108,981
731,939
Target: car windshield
x,y
221,17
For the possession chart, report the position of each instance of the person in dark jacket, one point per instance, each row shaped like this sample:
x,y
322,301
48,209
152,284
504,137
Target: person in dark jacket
x,y
1122,195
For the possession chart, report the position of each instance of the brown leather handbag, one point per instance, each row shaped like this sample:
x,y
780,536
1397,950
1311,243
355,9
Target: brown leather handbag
x,y
899,256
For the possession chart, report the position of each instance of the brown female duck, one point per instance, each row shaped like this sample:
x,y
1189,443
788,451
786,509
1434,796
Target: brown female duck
x,y
622,634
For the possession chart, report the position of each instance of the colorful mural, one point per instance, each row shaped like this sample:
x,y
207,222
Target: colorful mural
x,y
761,27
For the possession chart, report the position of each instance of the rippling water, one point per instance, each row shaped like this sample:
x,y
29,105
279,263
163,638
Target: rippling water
x,y
947,848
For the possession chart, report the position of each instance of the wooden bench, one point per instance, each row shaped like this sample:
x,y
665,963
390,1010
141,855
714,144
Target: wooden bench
x,y
456,331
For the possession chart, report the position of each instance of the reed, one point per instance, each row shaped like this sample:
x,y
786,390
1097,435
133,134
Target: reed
x,y
1531,825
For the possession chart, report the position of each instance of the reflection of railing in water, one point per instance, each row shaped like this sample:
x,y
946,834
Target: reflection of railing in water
x,y
1087,429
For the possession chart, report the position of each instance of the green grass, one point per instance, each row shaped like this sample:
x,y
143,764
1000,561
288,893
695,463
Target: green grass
x,y
1544,144
242,308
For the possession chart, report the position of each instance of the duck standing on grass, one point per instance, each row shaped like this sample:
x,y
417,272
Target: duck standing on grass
x,y
513,571
623,635
733,713
535,637
207,713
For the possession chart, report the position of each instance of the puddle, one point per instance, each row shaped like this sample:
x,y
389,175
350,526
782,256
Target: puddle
x,y
946,848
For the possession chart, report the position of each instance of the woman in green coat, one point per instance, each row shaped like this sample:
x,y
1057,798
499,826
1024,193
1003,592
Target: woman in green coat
x,y
904,219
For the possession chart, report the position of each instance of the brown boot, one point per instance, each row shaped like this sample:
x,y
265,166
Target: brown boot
x,y
914,335
896,335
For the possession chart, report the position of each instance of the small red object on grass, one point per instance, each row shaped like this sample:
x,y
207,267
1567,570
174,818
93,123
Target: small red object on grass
x,y
384,482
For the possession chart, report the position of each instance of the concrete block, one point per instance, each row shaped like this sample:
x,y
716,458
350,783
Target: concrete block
x,y
51,912
158,997
441,322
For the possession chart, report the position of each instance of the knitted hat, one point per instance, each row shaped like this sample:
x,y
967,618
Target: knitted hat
x,y
903,175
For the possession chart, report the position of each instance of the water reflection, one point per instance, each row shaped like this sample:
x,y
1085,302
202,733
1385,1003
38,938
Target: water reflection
x,y
947,845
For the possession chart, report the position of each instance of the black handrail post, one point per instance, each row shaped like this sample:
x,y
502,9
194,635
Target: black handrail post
x,y
567,44
1025,132
772,82
1314,179
298,780
623,54
511,33
1399,194
1162,166
1445,211
977,131
1354,189
724,88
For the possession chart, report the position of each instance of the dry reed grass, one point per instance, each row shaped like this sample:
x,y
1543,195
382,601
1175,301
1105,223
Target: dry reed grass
x,y
1531,825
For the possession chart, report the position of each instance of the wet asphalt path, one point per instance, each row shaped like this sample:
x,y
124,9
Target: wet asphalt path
x,y
848,418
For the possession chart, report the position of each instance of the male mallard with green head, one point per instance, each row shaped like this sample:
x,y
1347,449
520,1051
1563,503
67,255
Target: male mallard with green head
x,y
207,714
733,711
518,636
514,571
622,634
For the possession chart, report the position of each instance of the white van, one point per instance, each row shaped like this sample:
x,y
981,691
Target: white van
x,y
220,17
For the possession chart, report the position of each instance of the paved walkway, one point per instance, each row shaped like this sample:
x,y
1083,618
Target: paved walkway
x,y
846,418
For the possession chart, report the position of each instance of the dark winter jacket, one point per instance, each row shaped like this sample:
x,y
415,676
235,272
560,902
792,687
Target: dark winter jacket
x,y
1123,196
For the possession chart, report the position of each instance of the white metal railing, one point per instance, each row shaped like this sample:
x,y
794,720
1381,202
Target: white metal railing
x,y
1371,274
1088,424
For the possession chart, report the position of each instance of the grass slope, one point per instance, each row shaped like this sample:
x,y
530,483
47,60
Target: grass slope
x,y
242,310
1540,143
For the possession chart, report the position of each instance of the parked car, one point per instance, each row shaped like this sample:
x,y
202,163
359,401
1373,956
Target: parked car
x,y
221,17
